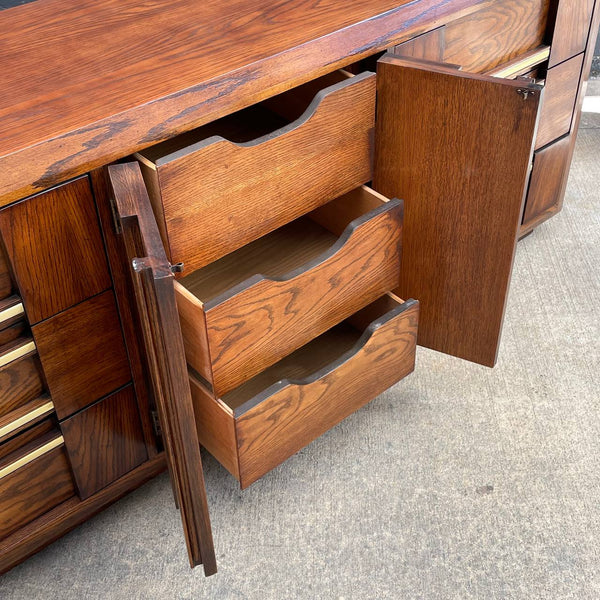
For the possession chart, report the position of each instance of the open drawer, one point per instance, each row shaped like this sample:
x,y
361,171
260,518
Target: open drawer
x,y
254,306
278,159
261,423
457,147
350,361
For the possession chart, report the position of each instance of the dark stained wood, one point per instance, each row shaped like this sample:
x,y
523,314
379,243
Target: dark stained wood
x,y
212,191
523,65
49,527
295,401
54,244
25,415
14,331
31,436
82,353
560,93
34,488
6,284
20,382
155,299
264,301
105,441
544,197
569,32
463,206
167,67
119,267
427,46
496,34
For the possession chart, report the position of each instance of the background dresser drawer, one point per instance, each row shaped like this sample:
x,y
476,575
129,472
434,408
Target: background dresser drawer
x,y
55,247
222,186
82,353
257,426
34,476
251,308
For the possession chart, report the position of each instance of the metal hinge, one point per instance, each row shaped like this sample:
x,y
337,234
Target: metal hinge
x,y
525,92
156,423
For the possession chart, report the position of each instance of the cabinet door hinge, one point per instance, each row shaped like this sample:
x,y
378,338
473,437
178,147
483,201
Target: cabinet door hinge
x,y
156,423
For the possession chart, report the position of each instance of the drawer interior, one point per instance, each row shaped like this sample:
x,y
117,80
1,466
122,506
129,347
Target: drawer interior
x,y
325,352
249,124
286,249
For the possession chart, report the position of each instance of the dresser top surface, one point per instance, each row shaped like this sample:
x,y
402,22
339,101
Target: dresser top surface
x,y
85,82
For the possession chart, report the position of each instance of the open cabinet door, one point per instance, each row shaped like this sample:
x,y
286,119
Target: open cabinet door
x,y
155,300
457,148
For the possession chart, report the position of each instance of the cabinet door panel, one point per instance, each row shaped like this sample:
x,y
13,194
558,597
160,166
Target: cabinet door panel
x,y
457,148
571,29
54,244
154,291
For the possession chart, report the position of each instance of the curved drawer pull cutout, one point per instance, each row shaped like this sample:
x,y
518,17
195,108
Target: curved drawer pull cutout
x,y
31,456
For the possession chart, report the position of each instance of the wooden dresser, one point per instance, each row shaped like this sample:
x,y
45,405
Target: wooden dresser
x,y
225,224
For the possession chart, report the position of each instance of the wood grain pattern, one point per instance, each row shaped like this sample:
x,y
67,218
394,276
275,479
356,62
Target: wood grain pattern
x,y
462,206
427,46
168,67
120,267
271,311
544,198
25,415
20,382
49,527
104,441
34,489
524,64
6,284
495,34
152,281
560,93
290,414
82,353
213,190
55,247
568,33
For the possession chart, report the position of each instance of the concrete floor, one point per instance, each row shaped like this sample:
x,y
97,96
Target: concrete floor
x,y
460,482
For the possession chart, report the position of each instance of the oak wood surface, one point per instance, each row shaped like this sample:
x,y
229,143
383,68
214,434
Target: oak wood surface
x,y
20,382
6,284
25,415
34,489
120,75
427,46
152,282
311,280
104,441
31,436
463,206
522,64
560,93
50,526
495,34
294,413
270,417
213,191
544,197
82,353
569,29
54,244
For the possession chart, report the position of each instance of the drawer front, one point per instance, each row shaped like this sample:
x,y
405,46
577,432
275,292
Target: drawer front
x,y
54,245
299,403
571,29
104,441
256,323
33,480
82,353
546,187
216,196
560,93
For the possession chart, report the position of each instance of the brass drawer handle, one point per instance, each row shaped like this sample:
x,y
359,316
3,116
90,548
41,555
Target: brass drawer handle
x,y
25,460
12,311
39,411
16,353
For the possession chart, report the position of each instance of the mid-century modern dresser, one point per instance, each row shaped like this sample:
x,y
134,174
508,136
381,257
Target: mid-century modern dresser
x,y
228,224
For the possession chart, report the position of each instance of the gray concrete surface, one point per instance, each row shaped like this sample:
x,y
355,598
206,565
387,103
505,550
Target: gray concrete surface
x,y
460,482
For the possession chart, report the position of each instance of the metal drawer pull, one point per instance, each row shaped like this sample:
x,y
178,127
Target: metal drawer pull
x,y
18,352
25,460
11,312
39,411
